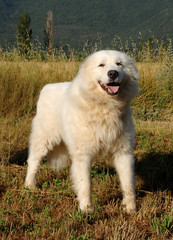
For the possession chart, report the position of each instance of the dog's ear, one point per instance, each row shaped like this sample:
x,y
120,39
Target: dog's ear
x,y
84,65
132,70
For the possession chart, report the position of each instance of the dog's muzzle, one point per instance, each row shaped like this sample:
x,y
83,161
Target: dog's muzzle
x,y
113,86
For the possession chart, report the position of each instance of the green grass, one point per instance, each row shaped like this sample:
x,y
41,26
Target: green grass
x,y
162,225
51,211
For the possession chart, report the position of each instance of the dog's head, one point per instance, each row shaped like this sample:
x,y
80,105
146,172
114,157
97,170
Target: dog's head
x,y
110,73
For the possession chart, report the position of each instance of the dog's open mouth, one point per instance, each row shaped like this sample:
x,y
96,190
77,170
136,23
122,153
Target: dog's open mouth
x,y
111,88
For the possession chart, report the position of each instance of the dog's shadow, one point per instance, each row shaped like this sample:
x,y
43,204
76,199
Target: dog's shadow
x,y
19,158
155,169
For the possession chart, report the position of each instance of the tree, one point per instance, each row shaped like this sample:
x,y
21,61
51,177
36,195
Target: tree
x,y
49,32
24,33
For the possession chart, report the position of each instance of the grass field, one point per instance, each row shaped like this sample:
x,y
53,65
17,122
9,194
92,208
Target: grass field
x,y
51,211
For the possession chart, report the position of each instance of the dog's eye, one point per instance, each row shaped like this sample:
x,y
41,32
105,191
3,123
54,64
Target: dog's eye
x,y
101,65
119,64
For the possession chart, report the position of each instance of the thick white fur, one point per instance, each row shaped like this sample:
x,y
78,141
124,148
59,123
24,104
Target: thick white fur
x,y
79,119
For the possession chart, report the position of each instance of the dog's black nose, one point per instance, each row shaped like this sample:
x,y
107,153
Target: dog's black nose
x,y
112,74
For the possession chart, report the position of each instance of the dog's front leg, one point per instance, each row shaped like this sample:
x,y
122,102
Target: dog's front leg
x,y
124,163
80,174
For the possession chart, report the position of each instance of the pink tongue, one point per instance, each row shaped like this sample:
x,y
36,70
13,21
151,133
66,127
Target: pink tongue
x,y
114,89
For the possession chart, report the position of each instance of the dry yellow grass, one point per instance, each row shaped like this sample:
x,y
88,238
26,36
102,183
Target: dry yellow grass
x,y
155,127
21,82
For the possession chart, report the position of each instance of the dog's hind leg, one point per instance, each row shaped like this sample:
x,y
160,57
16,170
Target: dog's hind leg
x,y
37,151
44,137
33,165
41,142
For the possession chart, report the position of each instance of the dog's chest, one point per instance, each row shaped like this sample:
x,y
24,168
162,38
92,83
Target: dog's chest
x,y
106,129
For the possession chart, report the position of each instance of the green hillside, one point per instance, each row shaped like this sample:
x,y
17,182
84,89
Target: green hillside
x,y
77,21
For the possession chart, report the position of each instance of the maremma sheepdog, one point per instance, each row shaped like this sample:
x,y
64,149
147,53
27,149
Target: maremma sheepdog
x,y
87,116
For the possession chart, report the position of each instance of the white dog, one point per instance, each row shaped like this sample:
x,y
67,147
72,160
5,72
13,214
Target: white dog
x,y
87,116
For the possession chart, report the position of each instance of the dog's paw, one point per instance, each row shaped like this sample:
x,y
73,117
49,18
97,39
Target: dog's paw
x,y
87,209
129,207
130,211
29,185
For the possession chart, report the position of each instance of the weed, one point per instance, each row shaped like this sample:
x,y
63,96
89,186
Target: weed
x,y
97,172
45,185
76,216
163,224
57,182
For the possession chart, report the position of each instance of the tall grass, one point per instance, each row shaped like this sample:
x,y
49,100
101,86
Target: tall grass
x,y
21,82
155,99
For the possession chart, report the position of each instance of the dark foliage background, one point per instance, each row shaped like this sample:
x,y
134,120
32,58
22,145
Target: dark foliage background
x,y
77,21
